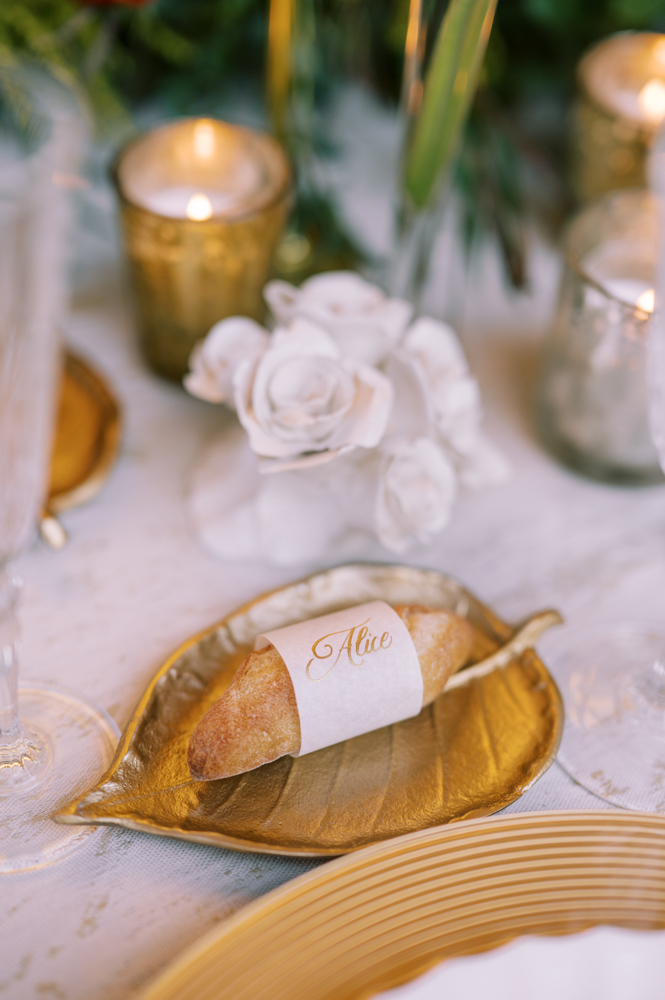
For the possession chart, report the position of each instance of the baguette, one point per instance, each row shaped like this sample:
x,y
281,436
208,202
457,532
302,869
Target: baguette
x,y
256,720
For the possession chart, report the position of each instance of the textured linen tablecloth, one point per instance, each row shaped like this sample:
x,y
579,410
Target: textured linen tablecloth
x,y
603,963
101,616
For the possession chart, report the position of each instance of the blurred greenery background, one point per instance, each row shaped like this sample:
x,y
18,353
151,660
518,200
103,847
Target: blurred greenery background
x,y
185,55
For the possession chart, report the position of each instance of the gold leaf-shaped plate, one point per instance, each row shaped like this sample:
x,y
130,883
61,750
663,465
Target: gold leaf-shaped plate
x,y
87,435
479,746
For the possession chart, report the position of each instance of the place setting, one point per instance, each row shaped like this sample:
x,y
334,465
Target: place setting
x,y
326,671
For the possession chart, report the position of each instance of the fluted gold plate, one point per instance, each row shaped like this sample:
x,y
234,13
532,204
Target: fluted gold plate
x,y
380,917
87,435
490,735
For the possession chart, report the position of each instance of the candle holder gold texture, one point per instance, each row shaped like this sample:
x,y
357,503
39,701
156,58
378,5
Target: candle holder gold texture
x,y
190,272
620,107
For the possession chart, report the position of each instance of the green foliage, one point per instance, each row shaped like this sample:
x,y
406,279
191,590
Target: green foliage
x,y
488,177
179,52
33,26
544,39
448,90
19,119
185,53
63,35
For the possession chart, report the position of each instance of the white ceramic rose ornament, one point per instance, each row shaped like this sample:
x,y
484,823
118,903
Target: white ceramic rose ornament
x,y
214,360
370,424
362,321
303,403
417,489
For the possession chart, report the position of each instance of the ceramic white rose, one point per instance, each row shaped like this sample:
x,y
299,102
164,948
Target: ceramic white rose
x,y
417,489
303,403
366,425
363,323
215,359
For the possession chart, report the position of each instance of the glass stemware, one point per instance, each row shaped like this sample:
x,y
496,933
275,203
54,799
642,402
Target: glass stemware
x,y
612,677
52,745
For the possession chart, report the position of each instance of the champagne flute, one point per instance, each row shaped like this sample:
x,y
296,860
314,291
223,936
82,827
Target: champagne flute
x,y
52,744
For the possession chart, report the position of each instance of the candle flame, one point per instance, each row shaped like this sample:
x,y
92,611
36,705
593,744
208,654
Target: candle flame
x,y
204,140
199,208
647,301
652,100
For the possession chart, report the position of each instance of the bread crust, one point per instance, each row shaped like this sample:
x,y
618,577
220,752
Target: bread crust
x,y
256,720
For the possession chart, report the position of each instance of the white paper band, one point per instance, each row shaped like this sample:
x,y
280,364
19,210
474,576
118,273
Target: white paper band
x,y
352,671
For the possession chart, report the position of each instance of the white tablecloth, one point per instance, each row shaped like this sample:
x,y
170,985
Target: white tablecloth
x,y
100,616
604,963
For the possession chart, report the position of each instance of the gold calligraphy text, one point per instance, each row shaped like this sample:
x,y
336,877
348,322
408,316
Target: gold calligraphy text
x,y
357,642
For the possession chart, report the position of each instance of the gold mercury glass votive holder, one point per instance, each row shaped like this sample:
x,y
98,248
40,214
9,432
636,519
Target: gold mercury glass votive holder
x,y
203,204
618,113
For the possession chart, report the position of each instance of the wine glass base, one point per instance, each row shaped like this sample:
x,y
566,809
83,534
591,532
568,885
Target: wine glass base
x,y
24,763
612,679
79,740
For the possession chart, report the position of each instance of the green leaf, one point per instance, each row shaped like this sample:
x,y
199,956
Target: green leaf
x,y
147,27
449,87
20,119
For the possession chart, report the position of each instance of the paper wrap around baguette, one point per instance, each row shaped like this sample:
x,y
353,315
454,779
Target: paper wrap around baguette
x,y
256,720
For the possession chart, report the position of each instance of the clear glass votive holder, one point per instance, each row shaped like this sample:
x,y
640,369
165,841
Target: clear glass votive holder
x,y
593,392
203,204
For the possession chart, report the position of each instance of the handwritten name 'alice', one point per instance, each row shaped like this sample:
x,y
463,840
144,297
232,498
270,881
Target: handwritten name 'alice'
x,y
357,642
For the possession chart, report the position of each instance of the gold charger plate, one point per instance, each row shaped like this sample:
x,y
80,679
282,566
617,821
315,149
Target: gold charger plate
x,y
384,915
475,749
87,438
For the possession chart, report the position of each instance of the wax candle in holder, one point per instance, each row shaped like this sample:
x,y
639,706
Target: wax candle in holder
x,y
620,108
203,204
593,399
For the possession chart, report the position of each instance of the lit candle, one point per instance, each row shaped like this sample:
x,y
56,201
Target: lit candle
x,y
651,102
625,271
622,80
625,75
632,292
221,174
203,205
593,399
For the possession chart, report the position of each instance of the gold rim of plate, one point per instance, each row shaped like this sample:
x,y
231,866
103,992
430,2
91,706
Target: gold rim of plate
x,y
383,916
478,747
87,435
